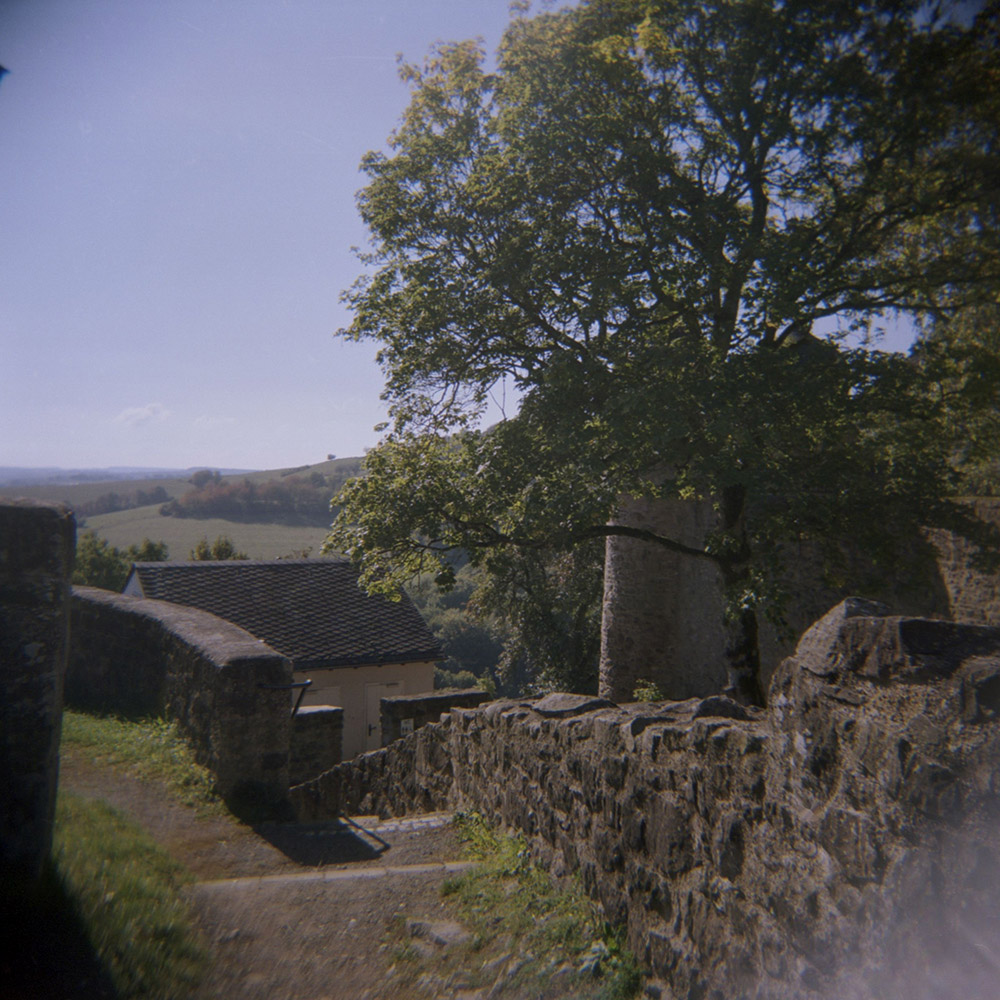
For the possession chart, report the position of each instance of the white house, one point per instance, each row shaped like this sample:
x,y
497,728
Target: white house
x,y
356,649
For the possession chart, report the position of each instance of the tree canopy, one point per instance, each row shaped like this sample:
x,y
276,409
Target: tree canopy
x,y
960,353
98,563
222,548
657,221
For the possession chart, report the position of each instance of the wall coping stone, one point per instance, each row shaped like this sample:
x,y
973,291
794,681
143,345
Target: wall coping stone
x,y
441,694
560,704
219,640
862,638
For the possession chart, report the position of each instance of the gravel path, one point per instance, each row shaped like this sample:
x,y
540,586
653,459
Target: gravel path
x,y
297,912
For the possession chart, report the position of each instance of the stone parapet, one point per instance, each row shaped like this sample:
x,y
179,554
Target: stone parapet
x,y
227,690
407,713
843,843
37,543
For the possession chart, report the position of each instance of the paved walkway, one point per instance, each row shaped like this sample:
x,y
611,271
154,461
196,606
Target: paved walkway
x,y
321,933
292,911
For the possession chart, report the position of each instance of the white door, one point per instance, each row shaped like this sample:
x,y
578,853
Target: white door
x,y
374,693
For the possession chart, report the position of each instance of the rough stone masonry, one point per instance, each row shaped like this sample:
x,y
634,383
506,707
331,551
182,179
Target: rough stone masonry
x,y
842,844
37,542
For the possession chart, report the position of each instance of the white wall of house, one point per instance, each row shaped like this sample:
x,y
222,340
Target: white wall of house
x,y
358,691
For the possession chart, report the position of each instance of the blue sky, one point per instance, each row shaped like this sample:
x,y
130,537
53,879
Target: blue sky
x,y
177,214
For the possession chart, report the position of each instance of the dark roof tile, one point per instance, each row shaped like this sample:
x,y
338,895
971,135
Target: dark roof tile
x,y
310,610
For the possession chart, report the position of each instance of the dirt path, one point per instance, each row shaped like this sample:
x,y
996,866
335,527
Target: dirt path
x,y
299,912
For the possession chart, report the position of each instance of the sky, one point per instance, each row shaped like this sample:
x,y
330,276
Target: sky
x,y
177,183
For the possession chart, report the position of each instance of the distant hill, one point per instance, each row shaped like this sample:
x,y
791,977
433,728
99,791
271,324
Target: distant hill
x,y
12,475
262,532
291,496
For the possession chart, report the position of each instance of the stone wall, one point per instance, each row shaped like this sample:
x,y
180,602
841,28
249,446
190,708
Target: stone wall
x,y
317,741
227,690
842,844
37,543
663,613
408,712
973,594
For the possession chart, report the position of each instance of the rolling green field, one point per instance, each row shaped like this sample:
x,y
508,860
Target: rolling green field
x,y
76,493
259,541
130,527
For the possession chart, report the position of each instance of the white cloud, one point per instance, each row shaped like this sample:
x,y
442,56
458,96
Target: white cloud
x,y
212,423
134,416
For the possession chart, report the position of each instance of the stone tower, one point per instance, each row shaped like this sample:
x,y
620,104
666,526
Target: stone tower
x,y
663,612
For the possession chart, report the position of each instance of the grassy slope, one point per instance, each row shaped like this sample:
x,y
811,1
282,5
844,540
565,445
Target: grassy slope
x,y
259,541
126,889
130,527
127,892
336,467
150,748
74,493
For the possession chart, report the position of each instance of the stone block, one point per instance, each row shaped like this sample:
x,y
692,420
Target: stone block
x,y
403,714
37,544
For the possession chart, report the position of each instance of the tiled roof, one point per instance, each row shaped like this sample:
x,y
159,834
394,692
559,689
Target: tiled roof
x,y
310,610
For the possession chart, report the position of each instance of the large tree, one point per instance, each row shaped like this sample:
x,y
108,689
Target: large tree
x,y
645,221
960,355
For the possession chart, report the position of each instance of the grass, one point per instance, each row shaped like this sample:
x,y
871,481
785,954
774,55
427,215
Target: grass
x,y
78,493
546,935
150,748
109,919
647,691
259,541
126,894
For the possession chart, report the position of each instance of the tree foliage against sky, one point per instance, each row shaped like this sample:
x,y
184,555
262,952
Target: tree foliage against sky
x,y
645,221
222,548
98,563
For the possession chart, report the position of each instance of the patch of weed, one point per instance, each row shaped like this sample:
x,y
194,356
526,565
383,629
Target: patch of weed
x,y
127,894
647,691
546,924
151,748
